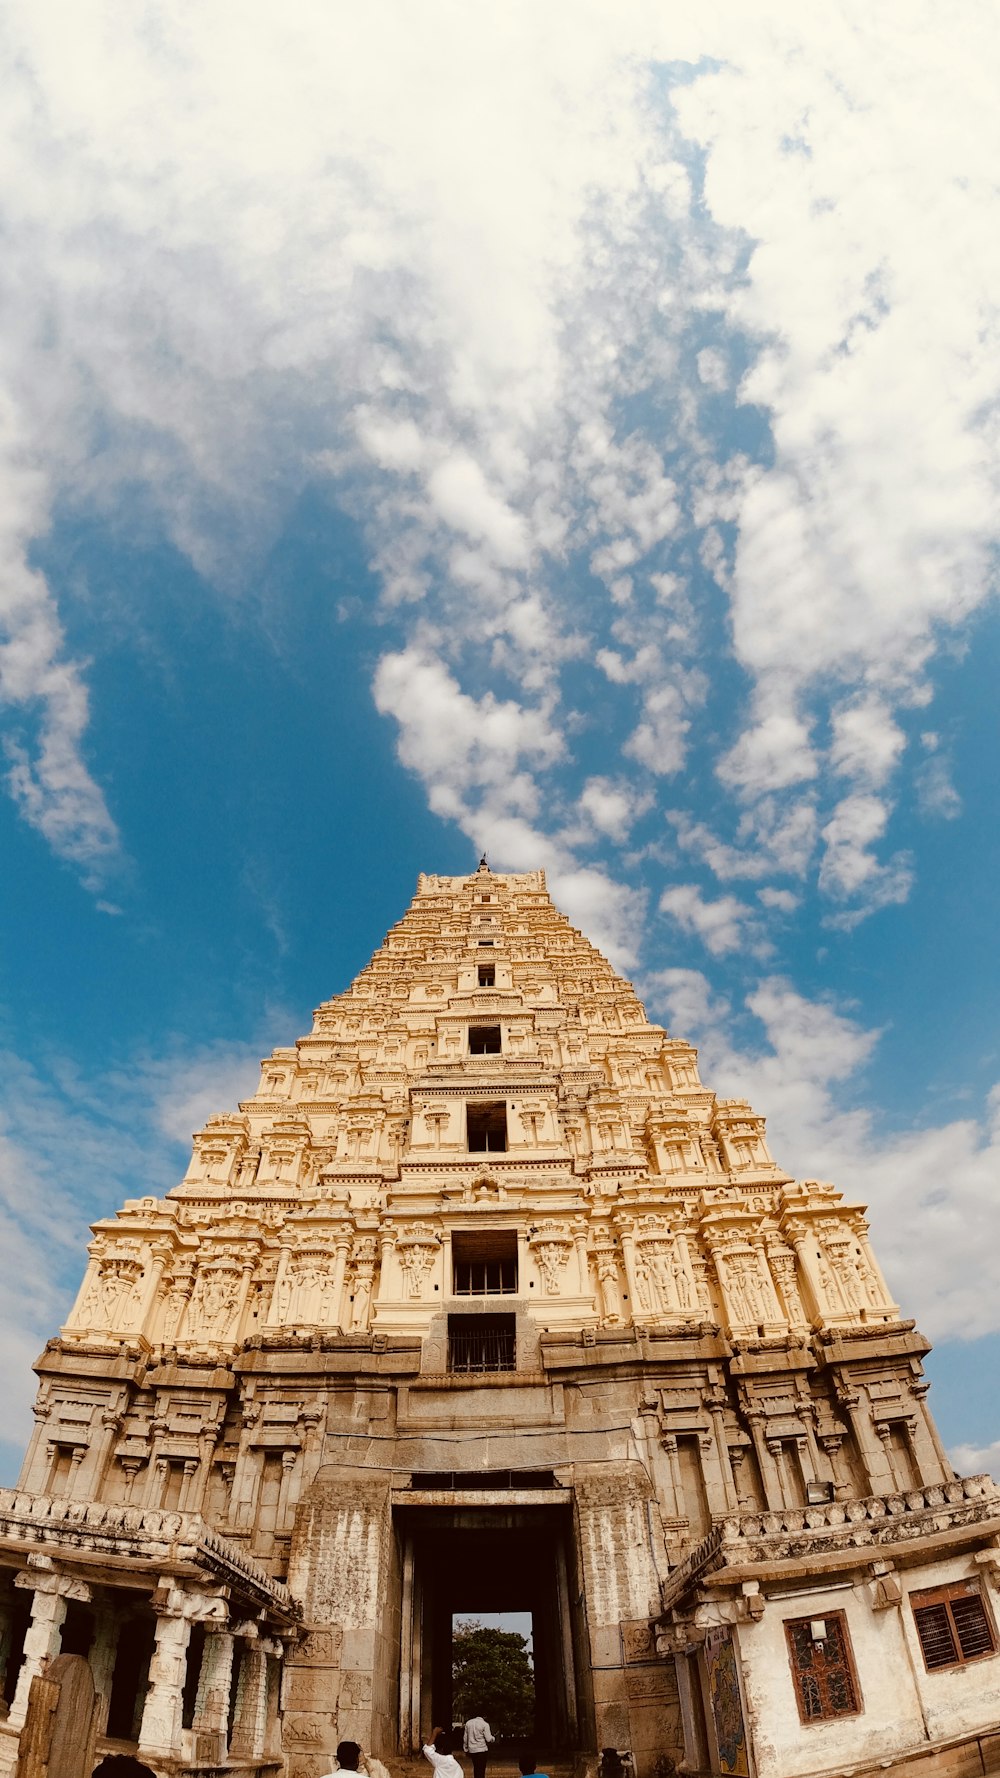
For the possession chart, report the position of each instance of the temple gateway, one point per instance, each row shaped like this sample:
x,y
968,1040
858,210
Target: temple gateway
x,y
484,1303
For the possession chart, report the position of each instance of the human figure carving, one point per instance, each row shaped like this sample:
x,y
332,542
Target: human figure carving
x,y
610,1289
552,1256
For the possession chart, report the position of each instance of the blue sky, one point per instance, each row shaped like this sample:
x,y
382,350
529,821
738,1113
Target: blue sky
x,y
570,431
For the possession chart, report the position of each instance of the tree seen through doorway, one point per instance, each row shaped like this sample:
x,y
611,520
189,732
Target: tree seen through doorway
x,y
493,1676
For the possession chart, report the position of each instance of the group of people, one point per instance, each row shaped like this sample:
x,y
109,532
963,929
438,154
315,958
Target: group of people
x,y
477,1738
439,1749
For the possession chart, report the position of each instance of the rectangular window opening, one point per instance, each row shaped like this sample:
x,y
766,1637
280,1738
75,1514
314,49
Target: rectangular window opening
x,y
484,1040
484,1262
822,1667
487,975
487,1128
953,1625
486,941
481,1343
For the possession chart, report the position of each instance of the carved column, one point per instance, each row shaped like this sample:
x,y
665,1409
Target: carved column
x,y
150,1305
274,1315
343,1248
771,1480
160,1729
211,1708
52,1592
6,1630
250,1720
288,1462
102,1662
582,1263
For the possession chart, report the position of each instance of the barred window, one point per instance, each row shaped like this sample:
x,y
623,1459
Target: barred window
x,y
953,1625
822,1667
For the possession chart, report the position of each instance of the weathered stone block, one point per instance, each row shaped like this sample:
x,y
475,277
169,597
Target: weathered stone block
x,y
313,1688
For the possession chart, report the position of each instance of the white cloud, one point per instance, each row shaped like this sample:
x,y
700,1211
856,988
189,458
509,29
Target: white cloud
x,y
867,743
484,293
772,755
459,491
937,798
849,868
784,901
72,1148
977,1459
612,806
723,925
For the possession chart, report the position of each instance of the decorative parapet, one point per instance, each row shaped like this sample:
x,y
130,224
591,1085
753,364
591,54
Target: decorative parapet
x,y
849,1527
141,1535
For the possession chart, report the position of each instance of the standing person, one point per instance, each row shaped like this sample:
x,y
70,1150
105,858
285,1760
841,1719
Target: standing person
x,y
477,1738
439,1751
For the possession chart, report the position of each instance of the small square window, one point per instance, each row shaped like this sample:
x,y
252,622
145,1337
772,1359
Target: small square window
x,y
484,1262
487,1128
482,1343
484,1040
822,1667
953,1625
487,975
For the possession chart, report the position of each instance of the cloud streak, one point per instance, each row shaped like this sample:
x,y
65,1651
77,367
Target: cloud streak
x,y
494,293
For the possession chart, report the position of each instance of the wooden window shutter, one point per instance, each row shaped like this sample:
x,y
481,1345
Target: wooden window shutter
x,y
953,1625
936,1639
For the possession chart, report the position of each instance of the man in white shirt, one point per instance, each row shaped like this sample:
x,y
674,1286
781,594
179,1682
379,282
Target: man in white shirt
x,y
476,1741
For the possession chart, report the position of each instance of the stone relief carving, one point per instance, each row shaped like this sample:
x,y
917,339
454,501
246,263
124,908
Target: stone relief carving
x,y
665,1283
609,1286
417,1249
551,1247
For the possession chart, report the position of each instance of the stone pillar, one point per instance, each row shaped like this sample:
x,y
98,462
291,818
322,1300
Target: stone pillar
x,y
52,1593
869,1447
339,1272
288,1462
342,1568
160,1729
584,1286
409,1665
274,1653
150,1305
621,1586
102,1662
211,1708
156,1481
249,1725
274,1314
770,1475
185,1503
6,1630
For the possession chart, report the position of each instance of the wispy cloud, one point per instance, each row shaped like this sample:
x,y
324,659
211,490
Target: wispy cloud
x,y
496,295
73,1147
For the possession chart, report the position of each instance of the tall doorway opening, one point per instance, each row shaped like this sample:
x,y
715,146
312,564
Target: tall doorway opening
x,y
478,1563
493,1672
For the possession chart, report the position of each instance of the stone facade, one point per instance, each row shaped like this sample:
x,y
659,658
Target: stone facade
x,y
484,1302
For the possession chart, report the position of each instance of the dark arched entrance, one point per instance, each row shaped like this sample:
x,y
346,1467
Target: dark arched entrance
x,y
122,1765
459,1559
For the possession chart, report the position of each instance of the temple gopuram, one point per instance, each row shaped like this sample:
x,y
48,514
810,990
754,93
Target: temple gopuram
x,y
484,1303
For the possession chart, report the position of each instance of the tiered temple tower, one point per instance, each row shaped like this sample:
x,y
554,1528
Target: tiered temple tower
x,y
484,1302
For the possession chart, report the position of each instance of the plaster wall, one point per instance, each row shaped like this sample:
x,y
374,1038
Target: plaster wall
x,y
954,1700
890,1720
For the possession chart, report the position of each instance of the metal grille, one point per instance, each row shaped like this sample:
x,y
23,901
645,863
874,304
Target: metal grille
x,y
821,1670
481,1344
486,1277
